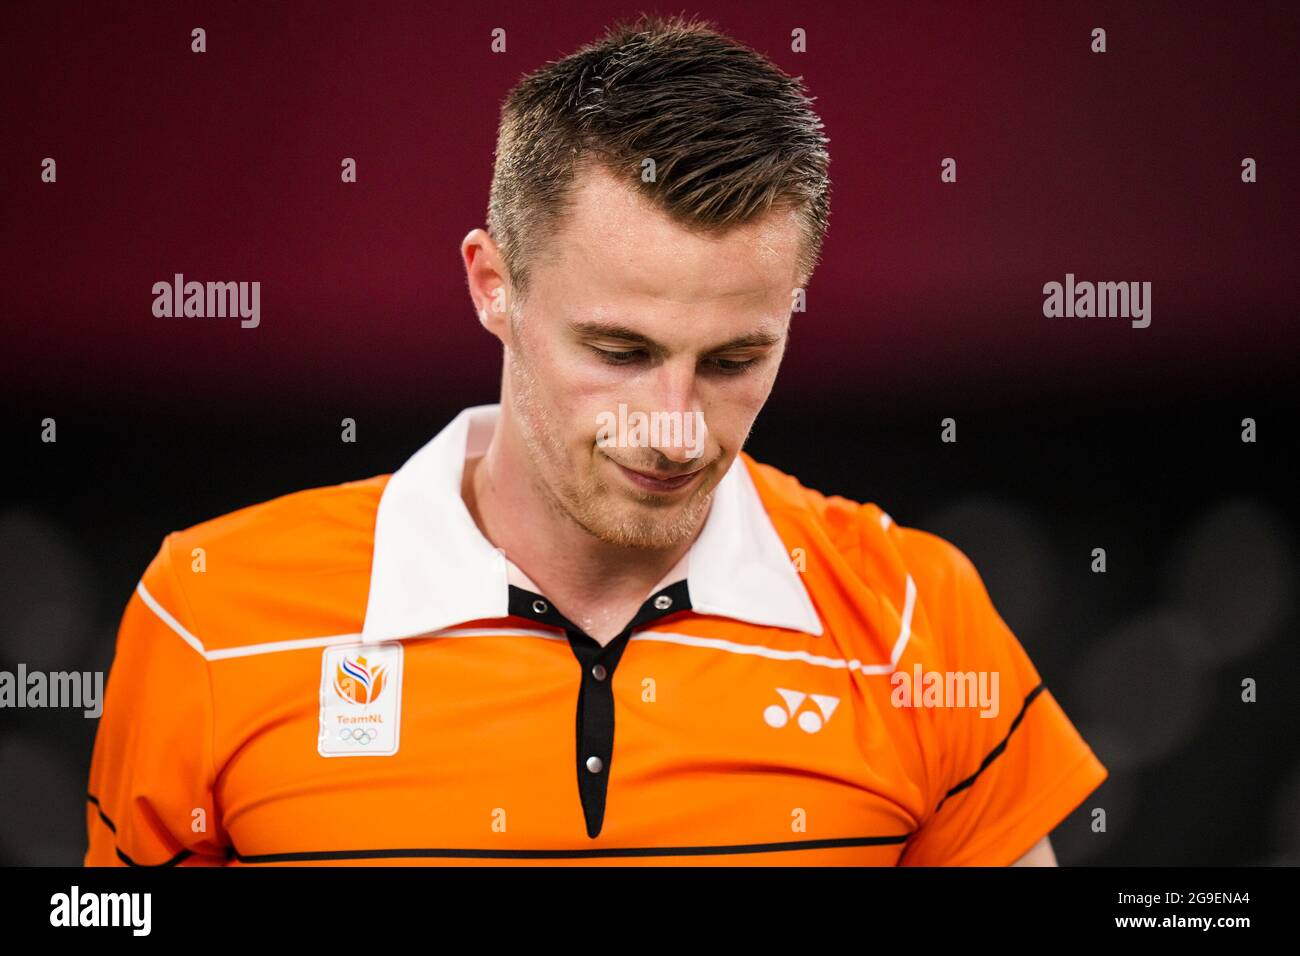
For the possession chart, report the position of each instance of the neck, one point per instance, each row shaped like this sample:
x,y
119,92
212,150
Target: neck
x,y
565,560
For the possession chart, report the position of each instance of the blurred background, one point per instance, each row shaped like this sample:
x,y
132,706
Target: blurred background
x,y
1073,434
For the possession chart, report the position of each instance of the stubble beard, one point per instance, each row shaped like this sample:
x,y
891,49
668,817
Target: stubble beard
x,y
637,521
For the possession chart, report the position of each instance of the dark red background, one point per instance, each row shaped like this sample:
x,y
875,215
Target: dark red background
x,y
1074,433
225,166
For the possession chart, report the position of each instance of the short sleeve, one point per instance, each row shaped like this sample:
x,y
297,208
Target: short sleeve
x,y
1008,778
150,793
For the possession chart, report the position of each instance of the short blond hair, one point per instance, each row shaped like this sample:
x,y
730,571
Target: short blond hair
x,y
731,136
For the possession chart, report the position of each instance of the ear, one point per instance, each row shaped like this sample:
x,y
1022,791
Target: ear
x,y
489,285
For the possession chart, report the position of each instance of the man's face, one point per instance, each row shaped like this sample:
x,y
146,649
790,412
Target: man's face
x,y
684,332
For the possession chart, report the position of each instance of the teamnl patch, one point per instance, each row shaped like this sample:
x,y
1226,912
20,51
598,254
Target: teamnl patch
x,y
360,700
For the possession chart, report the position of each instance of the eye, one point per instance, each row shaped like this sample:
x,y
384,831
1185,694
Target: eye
x,y
617,358
732,366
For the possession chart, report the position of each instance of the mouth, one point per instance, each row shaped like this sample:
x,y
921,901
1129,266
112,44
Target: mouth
x,y
660,484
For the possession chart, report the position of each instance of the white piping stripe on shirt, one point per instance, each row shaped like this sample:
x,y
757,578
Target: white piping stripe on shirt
x,y
165,616
272,647
905,629
772,653
666,637
757,650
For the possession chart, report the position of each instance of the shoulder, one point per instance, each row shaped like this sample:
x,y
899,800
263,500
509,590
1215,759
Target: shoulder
x,y
292,523
294,566
863,534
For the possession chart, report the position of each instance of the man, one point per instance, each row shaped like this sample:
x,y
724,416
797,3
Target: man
x,y
389,670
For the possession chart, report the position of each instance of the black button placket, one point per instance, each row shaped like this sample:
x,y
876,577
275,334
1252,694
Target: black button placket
x,y
595,717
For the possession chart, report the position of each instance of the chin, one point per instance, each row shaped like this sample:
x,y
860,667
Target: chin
x,y
639,525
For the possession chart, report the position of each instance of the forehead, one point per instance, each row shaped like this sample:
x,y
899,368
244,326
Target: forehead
x,y
616,243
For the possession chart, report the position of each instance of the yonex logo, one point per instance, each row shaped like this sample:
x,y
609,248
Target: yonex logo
x,y
810,720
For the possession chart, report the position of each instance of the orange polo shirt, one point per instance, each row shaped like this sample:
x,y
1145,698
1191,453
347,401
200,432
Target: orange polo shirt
x,y
355,675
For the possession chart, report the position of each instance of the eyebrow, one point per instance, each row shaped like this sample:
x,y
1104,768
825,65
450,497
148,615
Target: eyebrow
x,y
612,330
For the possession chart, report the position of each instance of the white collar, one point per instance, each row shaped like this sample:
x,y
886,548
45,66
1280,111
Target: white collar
x,y
433,568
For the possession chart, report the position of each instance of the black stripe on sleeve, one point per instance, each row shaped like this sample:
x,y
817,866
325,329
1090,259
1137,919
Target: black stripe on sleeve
x,y
121,854
996,751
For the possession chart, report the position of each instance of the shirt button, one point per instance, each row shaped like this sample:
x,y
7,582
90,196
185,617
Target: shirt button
x,y
663,602
599,672
540,607
594,764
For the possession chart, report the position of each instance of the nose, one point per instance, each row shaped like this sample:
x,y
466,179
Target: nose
x,y
682,433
